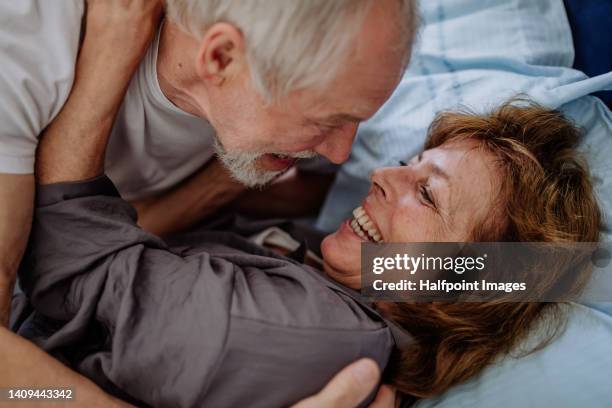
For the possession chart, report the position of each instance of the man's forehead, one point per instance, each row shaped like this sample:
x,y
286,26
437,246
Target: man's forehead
x,y
350,109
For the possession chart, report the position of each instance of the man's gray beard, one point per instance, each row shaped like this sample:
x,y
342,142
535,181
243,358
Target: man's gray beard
x,y
243,165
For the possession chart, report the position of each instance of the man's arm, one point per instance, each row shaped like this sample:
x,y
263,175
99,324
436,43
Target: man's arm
x,y
103,68
297,193
16,199
198,197
107,61
28,366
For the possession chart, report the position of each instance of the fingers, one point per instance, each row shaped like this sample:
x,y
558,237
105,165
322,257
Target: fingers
x,y
386,398
348,388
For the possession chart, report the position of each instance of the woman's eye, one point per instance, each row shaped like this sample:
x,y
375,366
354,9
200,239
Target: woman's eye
x,y
403,163
427,195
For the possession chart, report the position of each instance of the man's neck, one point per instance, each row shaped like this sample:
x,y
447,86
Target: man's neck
x,y
176,72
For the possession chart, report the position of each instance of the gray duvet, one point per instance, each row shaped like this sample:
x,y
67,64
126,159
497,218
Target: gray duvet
x,y
208,320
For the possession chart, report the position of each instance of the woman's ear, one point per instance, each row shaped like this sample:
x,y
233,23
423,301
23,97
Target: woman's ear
x,y
222,54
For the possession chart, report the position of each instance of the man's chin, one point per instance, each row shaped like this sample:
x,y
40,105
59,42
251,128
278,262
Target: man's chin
x,y
255,178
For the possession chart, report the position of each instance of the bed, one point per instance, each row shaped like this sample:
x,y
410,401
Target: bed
x,y
477,54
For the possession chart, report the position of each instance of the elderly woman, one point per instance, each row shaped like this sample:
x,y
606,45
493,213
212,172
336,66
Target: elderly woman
x,y
242,315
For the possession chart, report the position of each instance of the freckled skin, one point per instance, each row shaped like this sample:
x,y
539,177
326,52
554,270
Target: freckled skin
x,y
398,205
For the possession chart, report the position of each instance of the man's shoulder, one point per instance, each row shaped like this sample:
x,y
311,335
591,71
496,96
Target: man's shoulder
x,y
40,36
39,43
23,8
46,20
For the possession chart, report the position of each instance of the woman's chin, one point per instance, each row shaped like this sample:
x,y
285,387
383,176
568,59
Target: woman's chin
x,y
342,259
345,277
327,247
333,247
343,239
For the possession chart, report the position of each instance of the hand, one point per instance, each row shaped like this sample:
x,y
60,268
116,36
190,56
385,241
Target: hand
x,y
351,386
25,365
122,29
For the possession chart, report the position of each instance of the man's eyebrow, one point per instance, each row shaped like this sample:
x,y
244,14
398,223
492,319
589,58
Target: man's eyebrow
x,y
344,117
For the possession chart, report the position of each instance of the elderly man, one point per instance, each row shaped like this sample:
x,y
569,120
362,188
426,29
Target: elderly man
x,y
258,83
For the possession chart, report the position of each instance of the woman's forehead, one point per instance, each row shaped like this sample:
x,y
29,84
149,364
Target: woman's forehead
x,y
473,176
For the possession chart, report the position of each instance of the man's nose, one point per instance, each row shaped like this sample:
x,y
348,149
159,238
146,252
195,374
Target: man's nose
x,y
337,146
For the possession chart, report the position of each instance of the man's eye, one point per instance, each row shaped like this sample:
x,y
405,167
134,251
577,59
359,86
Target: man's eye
x,y
324,128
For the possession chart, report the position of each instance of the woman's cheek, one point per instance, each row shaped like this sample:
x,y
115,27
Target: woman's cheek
x,y
407,225
402,217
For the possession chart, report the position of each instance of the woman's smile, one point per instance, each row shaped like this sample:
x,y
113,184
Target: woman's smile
x,y
363,225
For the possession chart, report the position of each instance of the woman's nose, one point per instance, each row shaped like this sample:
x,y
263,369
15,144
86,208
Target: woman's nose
x,y
382,179
392,178
377,174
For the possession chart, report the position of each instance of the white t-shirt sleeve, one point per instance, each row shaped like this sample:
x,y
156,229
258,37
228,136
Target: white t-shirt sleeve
x,y
39,41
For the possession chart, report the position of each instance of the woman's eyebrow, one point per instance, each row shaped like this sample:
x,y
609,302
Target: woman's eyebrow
x,y
442,200
442,197
438,171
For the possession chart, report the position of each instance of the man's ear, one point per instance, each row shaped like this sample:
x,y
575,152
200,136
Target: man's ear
x,y
222,53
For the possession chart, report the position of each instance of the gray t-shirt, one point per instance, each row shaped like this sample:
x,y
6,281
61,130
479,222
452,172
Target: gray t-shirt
x,y
211,319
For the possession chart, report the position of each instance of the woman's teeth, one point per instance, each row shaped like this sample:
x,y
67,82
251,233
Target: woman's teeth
x,y
364,227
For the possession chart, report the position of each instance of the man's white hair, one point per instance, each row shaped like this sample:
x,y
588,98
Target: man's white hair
x,y
291,44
